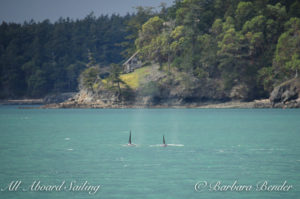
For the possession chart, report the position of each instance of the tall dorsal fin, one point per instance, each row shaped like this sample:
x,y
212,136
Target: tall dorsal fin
x,y
164,141
129,142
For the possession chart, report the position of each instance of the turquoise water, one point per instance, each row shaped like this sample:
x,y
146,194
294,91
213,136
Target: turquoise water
x,y
52,146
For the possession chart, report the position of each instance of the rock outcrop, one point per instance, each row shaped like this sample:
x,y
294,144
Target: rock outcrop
x,y
158,89
58,98
239,92
178,89
286,95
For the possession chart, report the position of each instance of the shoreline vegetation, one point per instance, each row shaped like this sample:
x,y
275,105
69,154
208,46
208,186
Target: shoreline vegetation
x,y
194,54
285,95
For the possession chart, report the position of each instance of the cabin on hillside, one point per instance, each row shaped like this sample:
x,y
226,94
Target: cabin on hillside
x,y
132,63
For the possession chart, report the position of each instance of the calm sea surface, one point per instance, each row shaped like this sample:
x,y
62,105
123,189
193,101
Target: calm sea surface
x,y
205,145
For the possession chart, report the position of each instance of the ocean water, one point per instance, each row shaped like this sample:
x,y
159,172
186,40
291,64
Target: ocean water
x,y
205,146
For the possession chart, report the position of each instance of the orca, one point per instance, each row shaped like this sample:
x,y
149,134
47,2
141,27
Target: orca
x,y
164,142
129,141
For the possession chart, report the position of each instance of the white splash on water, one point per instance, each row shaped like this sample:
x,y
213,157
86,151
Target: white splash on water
x,y
161,145
180,145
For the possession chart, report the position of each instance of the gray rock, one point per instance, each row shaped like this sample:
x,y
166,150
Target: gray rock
x,y
58,98
239,92
286,92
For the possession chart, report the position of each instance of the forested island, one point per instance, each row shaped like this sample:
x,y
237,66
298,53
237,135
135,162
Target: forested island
x,y
194,53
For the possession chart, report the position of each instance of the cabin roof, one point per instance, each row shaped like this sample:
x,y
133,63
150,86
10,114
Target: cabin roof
x,y
131,57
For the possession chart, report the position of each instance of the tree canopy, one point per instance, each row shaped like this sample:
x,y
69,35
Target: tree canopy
x,y
38,58
254,43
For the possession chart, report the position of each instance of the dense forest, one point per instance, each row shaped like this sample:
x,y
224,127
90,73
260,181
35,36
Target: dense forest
x,y
38,58
255,44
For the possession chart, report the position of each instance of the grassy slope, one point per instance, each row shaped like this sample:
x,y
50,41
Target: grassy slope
x,y
133,80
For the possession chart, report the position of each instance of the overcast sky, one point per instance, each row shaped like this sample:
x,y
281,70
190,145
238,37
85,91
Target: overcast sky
x,y
39,10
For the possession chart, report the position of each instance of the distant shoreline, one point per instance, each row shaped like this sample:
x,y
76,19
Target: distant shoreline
x,y
264,103
39,101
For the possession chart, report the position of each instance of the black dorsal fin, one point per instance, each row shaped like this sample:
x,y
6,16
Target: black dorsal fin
x,y
164,141
129,142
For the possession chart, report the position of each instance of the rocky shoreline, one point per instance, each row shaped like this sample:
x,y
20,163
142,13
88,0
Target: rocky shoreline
x,y
286,95
265,103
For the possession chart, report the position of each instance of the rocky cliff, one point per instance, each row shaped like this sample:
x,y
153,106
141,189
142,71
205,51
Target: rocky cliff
x,y
287,94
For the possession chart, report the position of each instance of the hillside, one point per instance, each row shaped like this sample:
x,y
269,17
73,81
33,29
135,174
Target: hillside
x,y
194,52
42,58
153,86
